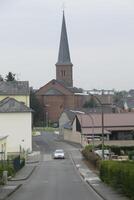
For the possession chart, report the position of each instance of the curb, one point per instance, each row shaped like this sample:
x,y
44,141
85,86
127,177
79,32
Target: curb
x,y
17,187
83,177
95,190
10,193
14,190
23,179
32,162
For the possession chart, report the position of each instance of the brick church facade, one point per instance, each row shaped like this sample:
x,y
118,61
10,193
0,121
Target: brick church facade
x,y
59,94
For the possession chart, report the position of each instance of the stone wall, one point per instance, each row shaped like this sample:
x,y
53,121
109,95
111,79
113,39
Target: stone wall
x,y
76,137
72,136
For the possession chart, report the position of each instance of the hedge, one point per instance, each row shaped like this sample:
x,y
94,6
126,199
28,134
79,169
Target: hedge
x,y
120,175
91,156
131,155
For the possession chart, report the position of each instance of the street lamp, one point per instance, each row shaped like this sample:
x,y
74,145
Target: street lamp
x,y
102,123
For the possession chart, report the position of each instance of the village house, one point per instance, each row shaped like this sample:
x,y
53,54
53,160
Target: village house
x,y
87,128
16,122
15,116
18,90
68,115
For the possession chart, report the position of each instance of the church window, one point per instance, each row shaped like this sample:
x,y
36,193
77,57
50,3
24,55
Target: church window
x,y
63,73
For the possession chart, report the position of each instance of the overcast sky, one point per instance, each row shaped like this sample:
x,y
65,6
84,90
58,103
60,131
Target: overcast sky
x,y
100,33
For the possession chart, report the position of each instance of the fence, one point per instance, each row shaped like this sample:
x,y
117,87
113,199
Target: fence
x,y
11,165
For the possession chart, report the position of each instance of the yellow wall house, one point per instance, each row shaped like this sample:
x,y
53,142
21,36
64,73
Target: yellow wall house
x,y
18,90
16,121
3,147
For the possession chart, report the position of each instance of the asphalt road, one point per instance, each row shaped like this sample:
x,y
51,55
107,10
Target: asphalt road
x,y
54,179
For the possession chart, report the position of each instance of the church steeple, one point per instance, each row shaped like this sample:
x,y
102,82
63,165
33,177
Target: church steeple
x,y
64,65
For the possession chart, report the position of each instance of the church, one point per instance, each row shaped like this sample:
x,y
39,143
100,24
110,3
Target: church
x,y
60,94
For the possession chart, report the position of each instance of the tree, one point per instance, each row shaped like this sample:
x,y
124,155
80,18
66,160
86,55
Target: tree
x,y
90,104
119,96
10,77
1,78
37,108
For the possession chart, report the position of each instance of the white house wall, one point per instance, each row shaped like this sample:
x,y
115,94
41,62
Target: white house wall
x,y
74,125
18,128
63,119
3,149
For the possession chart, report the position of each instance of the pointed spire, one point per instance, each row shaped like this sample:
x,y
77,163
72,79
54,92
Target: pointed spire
x,y
64,54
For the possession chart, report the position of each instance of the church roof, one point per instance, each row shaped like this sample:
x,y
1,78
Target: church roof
x,y
51,88
53,91
64,54
71,89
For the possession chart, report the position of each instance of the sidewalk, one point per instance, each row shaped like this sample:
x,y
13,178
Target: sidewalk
x,y
17,181
106,192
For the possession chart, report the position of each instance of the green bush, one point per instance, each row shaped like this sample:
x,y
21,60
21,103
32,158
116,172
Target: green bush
x,y
91,156
131,155
88,148
6,167
119,175
11,165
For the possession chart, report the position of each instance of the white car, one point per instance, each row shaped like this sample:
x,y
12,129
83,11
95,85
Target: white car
x,y
59,153
106,153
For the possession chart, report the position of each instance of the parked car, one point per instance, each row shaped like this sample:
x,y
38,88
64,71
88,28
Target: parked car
x,y
59,153
106,153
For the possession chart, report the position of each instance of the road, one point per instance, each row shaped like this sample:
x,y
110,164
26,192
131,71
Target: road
x,y
54,179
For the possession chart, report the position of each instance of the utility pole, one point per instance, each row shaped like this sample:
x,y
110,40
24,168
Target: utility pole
x,y
102,123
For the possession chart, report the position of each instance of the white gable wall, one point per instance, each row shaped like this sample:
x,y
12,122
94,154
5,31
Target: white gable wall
x,y
18,128
74,125
63,119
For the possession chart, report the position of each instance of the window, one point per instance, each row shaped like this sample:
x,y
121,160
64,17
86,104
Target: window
x,y
63,73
